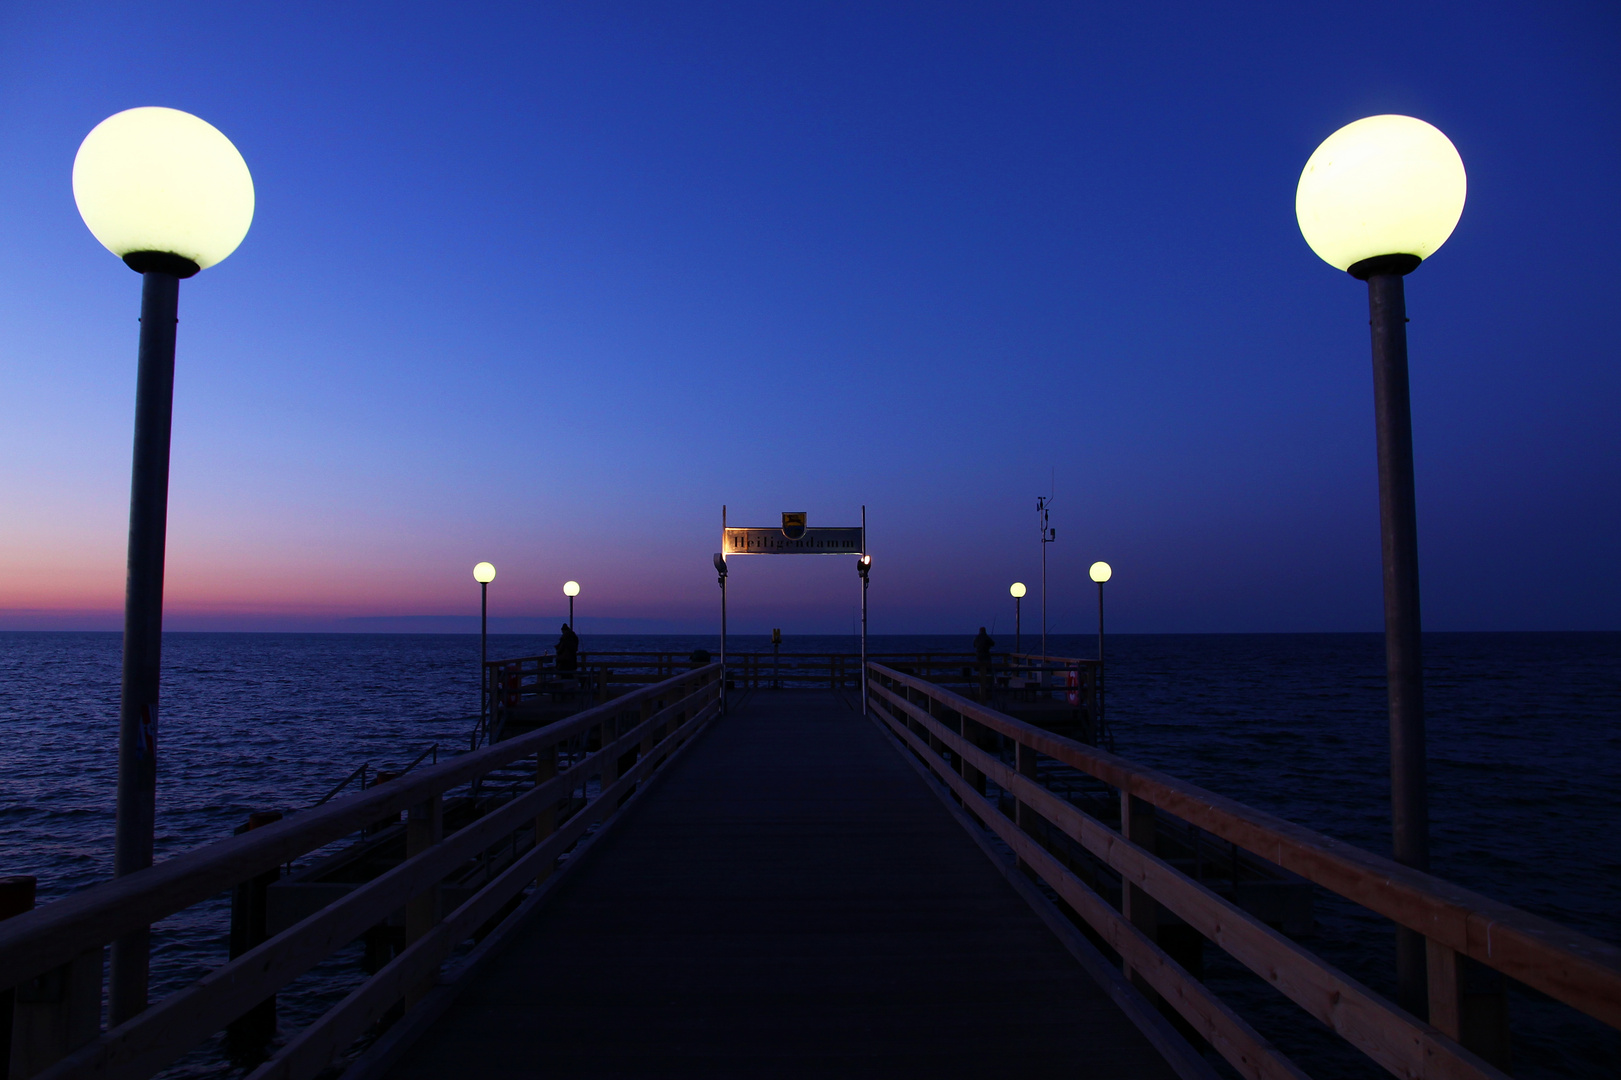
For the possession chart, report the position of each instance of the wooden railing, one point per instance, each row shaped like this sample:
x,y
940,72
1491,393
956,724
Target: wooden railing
x,y
63,942
512,681
955,738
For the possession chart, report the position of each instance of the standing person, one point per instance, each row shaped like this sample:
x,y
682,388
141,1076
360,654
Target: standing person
x,y
983,644
568,652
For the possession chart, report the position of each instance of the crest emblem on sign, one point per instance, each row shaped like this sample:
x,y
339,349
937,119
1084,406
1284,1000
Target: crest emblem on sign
x,y
793,525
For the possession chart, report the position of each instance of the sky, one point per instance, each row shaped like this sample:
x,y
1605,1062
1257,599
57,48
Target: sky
x,y
550,284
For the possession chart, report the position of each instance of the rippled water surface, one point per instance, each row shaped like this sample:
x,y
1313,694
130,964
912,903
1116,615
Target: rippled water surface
x,y
1524,739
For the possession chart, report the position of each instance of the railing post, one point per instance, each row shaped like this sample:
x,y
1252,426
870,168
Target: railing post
x,y
647,735
1137,825
546,820
1025,816
610,764
972,733
249,901
424,827
47,1018
1468,1003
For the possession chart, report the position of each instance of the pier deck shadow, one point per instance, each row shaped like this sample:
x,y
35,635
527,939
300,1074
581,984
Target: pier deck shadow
x,y
791,900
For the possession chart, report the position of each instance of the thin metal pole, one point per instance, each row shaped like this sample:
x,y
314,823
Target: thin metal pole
x,y
723,644
1098,733
484,654
863,644
1398,533
143,625
1017,600
1043,510
571,613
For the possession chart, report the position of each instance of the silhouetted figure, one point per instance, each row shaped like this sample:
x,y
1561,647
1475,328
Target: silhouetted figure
x,y
699,658
982,657
983,644
568,652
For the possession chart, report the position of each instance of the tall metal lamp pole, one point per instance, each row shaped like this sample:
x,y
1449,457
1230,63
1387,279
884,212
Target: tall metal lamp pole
x,y
1018,590
1100,572
571,589
1377,198
168,194
484,573
864,568
720,571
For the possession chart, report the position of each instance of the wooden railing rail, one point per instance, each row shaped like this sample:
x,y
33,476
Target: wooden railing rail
x,y
50,936
1577,970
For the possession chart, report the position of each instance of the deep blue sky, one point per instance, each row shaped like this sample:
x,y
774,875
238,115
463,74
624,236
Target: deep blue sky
x,y
547,284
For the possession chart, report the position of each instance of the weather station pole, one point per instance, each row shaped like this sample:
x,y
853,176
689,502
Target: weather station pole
x,y
1376,199
1044,505
167,193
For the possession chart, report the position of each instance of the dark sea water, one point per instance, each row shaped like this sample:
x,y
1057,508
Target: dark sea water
x,y
1524,739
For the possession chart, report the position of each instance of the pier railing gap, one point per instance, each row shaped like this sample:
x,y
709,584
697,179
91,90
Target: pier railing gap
x,y
62,943
971,748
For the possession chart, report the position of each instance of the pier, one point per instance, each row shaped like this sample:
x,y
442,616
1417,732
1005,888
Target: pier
x,y
648,867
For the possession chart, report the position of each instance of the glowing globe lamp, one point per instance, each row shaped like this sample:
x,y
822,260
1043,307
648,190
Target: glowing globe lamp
x,y
1100,572
571,588
1017,589
168,194
164,190
1382,186
1376,199
484,573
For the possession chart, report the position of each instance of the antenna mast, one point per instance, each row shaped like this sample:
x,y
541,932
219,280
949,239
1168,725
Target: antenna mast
x,y
1044,504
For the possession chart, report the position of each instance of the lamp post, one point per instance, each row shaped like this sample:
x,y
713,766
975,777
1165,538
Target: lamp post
x,y
1377,198
864,568
1100,572
1018,590
571,589
484,573
168,194
720,571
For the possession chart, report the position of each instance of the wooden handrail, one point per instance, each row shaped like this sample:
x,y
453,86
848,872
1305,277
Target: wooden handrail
x,y
1580,971
154,1038
40,940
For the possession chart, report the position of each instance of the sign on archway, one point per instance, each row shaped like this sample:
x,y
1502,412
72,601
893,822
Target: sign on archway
x,y
795,537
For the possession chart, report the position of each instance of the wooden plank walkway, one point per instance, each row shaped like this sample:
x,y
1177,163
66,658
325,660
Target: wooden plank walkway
x,y
791,900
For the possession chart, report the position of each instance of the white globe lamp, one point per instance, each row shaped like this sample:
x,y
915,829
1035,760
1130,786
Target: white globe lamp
x,y
170,195
1376,199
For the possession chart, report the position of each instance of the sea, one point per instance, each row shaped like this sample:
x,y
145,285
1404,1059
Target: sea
x,y
1524,737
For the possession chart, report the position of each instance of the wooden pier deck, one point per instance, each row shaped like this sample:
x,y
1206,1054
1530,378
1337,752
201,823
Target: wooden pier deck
x,y
791,900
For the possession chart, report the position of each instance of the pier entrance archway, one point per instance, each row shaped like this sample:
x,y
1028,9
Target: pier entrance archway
x,y
794,537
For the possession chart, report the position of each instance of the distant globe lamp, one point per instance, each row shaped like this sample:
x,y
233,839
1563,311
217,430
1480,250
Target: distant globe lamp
x,y
1376,199
1100,572
168,194
1017,590
571,589
484,573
